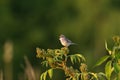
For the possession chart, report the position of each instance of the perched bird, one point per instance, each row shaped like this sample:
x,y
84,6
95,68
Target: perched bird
x,y
65,41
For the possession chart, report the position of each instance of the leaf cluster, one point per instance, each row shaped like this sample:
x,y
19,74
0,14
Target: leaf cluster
x,y
58,59
112,59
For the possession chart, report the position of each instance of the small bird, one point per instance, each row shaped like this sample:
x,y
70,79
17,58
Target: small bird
x,y
65,41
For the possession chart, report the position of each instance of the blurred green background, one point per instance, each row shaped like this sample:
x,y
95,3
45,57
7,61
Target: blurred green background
x,y
38,23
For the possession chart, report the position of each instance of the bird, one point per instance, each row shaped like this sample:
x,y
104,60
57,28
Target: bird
x,y
65,41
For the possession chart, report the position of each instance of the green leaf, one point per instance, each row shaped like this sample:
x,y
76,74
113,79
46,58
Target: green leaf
x,y
94,75
50,73
45,63
106,47
80,57
116,67
103,59
77,76
43,76
117,56
101,76
73,78
76,57
73,59
108,69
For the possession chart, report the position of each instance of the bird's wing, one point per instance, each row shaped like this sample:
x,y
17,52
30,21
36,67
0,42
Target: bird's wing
x,y
69,41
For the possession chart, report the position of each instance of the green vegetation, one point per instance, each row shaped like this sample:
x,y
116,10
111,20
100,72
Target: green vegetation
x,y
58,59
30,23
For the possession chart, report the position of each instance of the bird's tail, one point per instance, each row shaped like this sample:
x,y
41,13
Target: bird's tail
x,y
74,44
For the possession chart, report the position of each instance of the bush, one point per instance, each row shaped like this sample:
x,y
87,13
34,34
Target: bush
x,y
59,58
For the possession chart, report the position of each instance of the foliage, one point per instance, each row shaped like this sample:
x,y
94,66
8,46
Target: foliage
x,y
112,59
31,23
58,59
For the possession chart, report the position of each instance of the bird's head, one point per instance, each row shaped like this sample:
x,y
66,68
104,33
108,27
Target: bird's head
x,y
62,36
